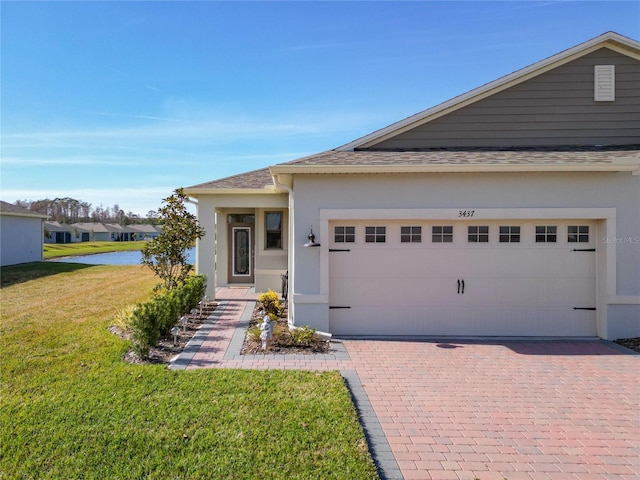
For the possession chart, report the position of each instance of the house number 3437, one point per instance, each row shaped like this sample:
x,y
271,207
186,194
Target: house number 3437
x,y
466,213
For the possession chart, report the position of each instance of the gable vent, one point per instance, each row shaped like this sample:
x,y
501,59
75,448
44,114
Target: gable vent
x,y
605,83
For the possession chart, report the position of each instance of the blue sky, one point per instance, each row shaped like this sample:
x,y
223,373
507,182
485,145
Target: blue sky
x,y
122,102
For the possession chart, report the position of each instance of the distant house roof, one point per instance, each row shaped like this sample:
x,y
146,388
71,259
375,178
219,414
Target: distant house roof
x,y
58,227
101,227
145,228
91,227
13,210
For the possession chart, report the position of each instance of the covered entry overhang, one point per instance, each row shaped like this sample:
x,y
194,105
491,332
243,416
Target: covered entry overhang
x,y
246,239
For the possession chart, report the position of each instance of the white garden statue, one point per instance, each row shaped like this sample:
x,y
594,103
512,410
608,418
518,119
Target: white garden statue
x,y
267,331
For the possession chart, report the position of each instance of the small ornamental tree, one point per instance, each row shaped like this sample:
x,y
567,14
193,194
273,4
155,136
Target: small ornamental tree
x,y
166,254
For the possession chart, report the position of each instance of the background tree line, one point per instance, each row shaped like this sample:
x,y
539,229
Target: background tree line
x,y
70,210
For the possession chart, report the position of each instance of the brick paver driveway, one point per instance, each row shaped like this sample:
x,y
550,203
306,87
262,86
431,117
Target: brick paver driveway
x,y
514,410
534,410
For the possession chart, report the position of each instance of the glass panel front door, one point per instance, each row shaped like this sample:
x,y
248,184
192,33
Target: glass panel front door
x,y
241,258
241,249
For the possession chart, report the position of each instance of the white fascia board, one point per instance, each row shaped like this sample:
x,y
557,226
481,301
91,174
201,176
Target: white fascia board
x,y
443,168
610,40
269,189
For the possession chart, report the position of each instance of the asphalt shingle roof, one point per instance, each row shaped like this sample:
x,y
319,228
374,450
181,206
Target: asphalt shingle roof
x,y
11,209
254,179
368,158
524,156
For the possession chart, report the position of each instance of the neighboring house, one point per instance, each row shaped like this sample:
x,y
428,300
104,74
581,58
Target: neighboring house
x,y
21,235
93,232
130,233
118,233
511,210
56,232
145,231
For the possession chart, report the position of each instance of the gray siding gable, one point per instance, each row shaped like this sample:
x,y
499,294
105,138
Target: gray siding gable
x,y
555,108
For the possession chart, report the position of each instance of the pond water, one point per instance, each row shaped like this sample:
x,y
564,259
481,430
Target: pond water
x,y
132,257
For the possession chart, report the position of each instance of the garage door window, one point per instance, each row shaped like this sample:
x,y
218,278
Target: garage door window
x,y
442,234
478,234
344,234
509,234
578,233
375,234
410,234
546,233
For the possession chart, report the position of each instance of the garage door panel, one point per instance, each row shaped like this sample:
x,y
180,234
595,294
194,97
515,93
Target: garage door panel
x,y
519,289
469,321
409,292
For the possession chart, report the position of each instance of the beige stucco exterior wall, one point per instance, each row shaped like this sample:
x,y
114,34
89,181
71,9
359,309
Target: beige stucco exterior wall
x,y
611,198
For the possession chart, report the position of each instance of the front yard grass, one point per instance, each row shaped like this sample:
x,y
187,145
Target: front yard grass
x,y
55,250
71,408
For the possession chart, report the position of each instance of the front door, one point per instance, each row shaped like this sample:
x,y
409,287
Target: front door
x,y
241,253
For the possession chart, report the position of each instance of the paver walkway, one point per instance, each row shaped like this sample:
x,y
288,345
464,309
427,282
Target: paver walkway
x,y
533,410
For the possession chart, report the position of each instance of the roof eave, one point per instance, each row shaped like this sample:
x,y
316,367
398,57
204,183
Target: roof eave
x,y
267,189
458,168
25,215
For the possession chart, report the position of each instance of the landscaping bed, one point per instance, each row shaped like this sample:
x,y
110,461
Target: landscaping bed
x,y
283,342
168,347
630,343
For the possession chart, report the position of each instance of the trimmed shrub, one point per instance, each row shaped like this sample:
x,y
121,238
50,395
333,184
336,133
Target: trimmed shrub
x,y
155,318
270,302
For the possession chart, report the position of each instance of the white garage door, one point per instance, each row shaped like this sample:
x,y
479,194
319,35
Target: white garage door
x,y
497,278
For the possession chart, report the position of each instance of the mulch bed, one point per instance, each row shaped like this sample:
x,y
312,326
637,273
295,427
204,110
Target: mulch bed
x,y
630,343
282,342
166,350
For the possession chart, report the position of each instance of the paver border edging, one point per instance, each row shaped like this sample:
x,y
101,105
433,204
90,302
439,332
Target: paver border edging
x,y
183,359
379,448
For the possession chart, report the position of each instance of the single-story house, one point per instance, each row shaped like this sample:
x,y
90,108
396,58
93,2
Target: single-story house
x,y
21,235
144,231
92,232
56,232
510,210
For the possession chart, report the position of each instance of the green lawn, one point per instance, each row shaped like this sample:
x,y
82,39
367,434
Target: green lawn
x,y
53,250
71,408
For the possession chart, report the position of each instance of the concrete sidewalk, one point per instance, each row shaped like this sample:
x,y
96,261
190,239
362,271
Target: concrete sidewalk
x,y
456,409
